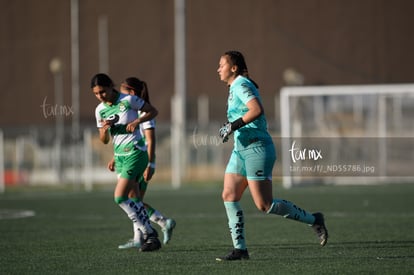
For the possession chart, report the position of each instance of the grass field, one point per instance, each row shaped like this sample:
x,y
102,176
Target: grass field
x,y
72,232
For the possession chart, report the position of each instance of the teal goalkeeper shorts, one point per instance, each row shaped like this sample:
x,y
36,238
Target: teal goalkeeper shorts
x,y
131,166
255,163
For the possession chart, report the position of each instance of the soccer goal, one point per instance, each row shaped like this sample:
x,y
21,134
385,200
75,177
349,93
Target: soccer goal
x,y
352,134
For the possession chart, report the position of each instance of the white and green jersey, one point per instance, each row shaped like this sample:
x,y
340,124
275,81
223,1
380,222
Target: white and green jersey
x,y
241,91
125,110
149,124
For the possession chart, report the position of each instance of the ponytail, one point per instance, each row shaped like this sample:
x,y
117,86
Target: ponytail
x,y
238,60
139,87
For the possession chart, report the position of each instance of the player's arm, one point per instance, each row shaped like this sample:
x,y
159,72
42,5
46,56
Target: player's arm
x,y
150,140
103,127
111,165
255,110
104,135
150,113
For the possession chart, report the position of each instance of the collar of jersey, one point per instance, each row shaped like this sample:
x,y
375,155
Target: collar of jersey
x,y
116,100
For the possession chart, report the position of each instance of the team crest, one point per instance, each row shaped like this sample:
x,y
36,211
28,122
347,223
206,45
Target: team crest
x,y
122,107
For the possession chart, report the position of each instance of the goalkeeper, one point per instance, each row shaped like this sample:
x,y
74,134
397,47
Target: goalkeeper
x,y
252,159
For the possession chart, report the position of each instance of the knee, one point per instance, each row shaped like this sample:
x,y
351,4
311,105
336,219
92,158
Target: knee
x,y
229,196
264,206
225,196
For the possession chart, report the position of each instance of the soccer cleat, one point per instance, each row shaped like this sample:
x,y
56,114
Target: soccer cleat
x,y
151,242
234,255
130,244
320,228
168,230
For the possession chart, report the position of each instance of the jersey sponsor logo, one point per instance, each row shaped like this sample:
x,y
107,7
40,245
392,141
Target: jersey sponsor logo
x,y
259,173
113,118
248,91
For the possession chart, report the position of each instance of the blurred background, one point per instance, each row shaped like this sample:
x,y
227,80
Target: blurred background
x,y
50,49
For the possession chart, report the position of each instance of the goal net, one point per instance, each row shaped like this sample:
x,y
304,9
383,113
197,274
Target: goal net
x,y
347,134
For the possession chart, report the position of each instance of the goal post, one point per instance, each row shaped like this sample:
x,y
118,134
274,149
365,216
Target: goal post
x,y
354,126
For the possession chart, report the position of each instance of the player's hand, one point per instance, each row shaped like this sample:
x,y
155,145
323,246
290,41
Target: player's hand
x,y
106,126
111,120
225,131
111,165
148,173
132,126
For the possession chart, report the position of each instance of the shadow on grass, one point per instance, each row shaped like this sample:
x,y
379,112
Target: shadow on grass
x,y
358,244
374,250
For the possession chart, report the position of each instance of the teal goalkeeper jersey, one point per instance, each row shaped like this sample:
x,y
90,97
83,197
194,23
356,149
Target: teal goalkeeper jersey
x,y
125,109
241,91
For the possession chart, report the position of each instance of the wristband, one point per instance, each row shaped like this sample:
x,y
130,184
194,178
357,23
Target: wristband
x,y
151,165
237,124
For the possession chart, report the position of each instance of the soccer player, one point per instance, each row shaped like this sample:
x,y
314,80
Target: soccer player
x,y
137,87
252,159
117,118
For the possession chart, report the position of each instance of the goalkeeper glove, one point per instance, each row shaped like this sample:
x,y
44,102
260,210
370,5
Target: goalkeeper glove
x,y
225,131
229,127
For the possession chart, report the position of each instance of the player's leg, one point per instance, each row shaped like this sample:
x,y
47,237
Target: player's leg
x,y
289,210
134,195
234,185
259,165
133,166
260,185
167,224
261,191
134,210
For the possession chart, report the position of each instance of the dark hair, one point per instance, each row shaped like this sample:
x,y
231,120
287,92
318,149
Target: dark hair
x,y
102,80
237,59
139,87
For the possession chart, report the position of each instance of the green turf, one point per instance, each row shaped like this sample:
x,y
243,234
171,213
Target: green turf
x,y
73,232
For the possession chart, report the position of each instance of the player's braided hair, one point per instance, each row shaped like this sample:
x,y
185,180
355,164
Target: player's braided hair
x,y
237,59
